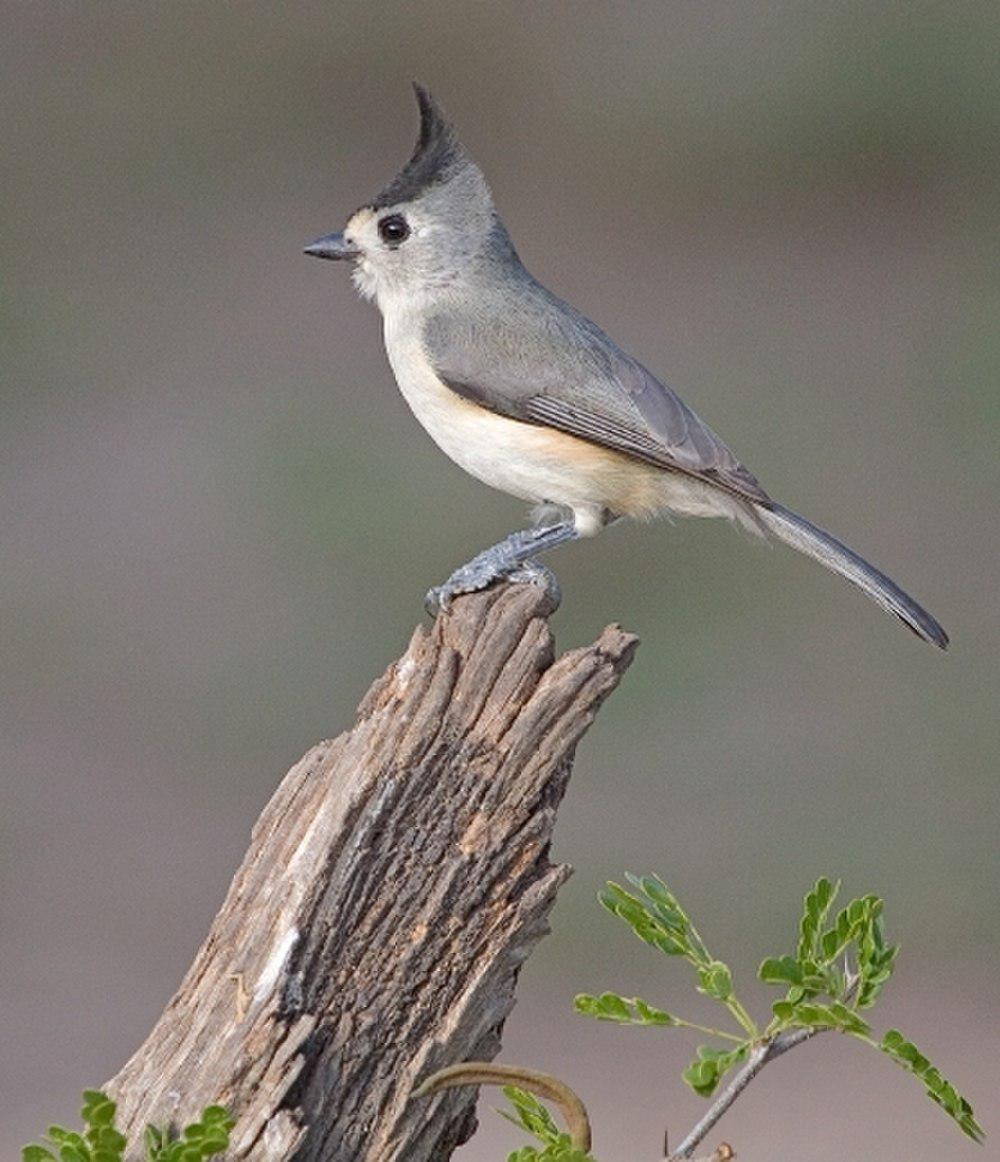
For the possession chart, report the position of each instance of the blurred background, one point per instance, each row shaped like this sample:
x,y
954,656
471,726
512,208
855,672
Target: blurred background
x,y
218,517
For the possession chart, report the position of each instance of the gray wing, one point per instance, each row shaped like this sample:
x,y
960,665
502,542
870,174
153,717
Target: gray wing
x,y
534,358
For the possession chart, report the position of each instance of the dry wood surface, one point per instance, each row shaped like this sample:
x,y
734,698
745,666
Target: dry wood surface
x,y
394,885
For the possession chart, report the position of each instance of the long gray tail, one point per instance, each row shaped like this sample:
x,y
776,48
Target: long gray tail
x,y
796,531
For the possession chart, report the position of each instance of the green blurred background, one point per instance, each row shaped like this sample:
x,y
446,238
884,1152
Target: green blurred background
x,y
218,517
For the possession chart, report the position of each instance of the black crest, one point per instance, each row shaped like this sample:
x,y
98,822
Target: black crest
x,y
434,157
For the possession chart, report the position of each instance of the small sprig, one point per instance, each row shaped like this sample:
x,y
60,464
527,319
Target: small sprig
x,y
839,970
849,963
202,1139
101,1142
655,915
533,1117
906,1054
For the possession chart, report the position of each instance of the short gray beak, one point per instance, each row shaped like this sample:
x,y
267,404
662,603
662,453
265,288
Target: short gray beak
x,y
332,246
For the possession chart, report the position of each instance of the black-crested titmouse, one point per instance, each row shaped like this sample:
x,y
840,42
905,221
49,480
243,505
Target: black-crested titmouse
x,y
531,397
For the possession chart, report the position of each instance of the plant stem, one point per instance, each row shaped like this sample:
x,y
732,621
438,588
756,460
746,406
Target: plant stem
x,y
707,1029
762,1053
744,1018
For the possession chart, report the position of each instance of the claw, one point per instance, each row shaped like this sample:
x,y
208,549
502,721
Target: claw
x,y
509,560
463,580
437,600
535,573
479,575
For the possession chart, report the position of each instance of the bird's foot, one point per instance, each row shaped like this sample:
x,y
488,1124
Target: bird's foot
x,y
484,570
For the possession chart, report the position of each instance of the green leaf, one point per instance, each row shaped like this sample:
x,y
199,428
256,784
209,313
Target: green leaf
x,y
811,1015
98,1109
217,1116
662,902
906,1054
716,981
876,961
36,1153
70,1152
562,1152
711,1065
606,1007
816,908
656,917
780,970
73,1147
624,1010
645,922
531,1115
202,1139
851,921
106,1138
650,1015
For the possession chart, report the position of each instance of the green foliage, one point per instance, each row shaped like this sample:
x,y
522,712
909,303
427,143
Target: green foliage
x,y
624,1010
816,908
561,1151
202,1139
531,1115
812,1015
655,915
906,1054
101,1142
839,969
711,1065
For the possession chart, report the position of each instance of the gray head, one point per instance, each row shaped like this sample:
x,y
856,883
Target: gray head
x,y
424,228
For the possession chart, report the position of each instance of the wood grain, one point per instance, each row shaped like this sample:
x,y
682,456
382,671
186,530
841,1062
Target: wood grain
x,y
394,885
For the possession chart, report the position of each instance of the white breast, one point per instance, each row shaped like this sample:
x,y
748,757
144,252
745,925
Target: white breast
x,y
522,459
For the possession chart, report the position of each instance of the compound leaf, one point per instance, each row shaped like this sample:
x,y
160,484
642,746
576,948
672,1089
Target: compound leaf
x,y
939,1090
624,1010
816,908
710,1066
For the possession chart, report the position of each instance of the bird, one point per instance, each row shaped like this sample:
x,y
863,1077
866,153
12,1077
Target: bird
x,y
531,397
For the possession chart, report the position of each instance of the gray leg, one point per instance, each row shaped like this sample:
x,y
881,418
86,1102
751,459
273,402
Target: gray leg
x,y
511,559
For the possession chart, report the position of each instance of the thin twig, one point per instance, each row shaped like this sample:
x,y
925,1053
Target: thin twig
x,y
763,1053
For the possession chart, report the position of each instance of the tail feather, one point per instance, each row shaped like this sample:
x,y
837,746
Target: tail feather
x,y
801,534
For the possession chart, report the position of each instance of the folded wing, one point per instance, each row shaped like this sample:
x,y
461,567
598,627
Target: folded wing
x,y
538,360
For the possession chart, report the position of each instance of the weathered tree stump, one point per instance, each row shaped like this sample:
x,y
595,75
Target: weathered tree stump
x,y
393,887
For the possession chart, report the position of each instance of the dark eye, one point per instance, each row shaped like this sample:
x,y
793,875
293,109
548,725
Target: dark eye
x,y
393,230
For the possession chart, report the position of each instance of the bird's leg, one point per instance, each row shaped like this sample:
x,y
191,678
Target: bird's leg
x,y
510,559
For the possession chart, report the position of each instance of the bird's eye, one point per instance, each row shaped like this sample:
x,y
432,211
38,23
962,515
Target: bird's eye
x,y
393,230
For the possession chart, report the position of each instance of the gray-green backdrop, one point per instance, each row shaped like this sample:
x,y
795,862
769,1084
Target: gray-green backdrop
x,y
218,518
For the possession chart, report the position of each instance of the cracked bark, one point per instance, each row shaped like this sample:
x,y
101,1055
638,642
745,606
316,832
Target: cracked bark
x,y
394,885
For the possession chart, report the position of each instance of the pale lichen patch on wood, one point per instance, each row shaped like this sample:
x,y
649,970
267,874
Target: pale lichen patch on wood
x,y
275,964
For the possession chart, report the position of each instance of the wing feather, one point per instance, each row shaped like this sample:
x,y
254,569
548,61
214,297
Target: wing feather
x,y
536,359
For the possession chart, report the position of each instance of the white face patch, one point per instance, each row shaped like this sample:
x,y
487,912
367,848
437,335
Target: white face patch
x,y
362,231
419,265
